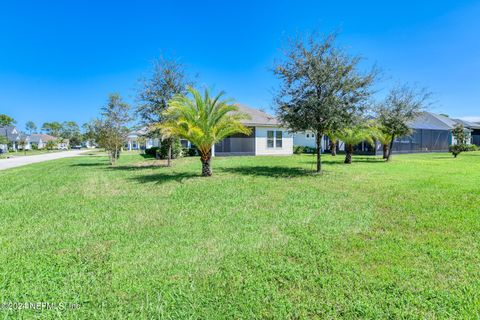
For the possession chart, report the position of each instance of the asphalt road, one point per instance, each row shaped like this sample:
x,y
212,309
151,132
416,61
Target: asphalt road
x,y
23,161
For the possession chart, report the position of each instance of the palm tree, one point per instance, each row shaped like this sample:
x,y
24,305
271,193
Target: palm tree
x,y
383,138
353,136
203,121
332,138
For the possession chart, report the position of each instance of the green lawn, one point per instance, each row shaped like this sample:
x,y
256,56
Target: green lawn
x,y
263,238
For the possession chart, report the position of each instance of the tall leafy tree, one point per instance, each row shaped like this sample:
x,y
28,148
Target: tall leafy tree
x,y
6,121
203,120
401,106
322,88
71,130
167,79
52,128
111,130
31,127
89,131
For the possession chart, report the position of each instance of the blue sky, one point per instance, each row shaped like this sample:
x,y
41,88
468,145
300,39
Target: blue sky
x,y
59,60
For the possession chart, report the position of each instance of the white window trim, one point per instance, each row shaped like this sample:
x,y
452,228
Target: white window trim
x,y
275,139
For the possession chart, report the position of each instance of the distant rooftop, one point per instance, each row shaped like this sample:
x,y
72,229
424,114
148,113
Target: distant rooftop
x,y
35,138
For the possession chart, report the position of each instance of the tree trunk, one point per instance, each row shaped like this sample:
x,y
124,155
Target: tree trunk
x,y
206,159
390,148
169,160
385,151
348,153
333,148
319,151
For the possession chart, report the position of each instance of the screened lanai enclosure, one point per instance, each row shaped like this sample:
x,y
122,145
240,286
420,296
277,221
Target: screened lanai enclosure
x,y
423,140
430,133
237,144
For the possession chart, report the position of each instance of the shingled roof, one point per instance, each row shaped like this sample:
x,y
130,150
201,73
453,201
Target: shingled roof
x,y
35,138
257,117
10,132
432,121
468,124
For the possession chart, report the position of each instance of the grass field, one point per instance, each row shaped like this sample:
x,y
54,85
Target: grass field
x,y
262,238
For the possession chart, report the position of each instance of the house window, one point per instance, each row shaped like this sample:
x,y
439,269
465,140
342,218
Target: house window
x,y
278,139
308,135
270,138
274,139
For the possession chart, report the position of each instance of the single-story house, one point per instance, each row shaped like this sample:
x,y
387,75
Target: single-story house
x,y
40,141
267,137
476,133
138,140
473,136
430,133
13,136
307,139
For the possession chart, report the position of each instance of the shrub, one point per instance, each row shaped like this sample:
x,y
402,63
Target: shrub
x,y
152,151
176,150
298,149
472,147
304,149
190,152
309,150
458,148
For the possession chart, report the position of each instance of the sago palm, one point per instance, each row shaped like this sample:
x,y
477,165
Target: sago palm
x,y
383,138
203,121
353,136
333,139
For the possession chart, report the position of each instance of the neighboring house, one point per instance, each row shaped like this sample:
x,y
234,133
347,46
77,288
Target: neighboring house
x,y
268,137
308,139
12,135
40,141
430,133
90,144
472,131
137,140
476,133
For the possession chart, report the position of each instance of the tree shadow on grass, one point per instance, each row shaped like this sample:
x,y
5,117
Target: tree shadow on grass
x,y
137,167
268,171
161,178
87,164
354,160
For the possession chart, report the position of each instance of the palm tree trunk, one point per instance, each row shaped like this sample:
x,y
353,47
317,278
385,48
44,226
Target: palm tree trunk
x,y
348,153
169,160
385,151
390,148
206,158
333,148
319,151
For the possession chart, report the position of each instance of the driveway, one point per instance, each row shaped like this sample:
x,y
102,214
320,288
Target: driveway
x,y
23,161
